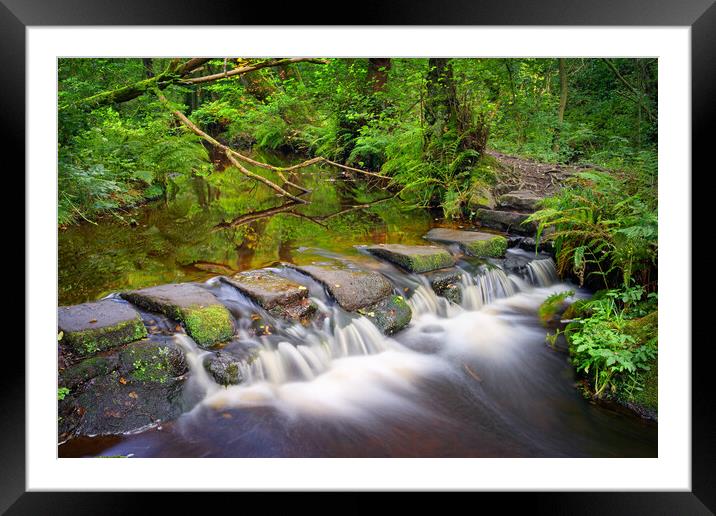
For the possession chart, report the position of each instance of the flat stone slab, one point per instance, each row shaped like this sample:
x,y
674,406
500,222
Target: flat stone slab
x,y
206,320
472,243
519,200
414,258
351,288
92,327
278,295
506,221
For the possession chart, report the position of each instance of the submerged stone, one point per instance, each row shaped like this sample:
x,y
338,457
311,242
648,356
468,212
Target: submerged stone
x,y
446,283
472,243
351,288
92,327
506,221
140,385
206,320
226,368
281,297
414,258
390,315
525,200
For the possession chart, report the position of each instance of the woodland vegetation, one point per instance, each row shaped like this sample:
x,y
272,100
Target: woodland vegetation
x,y
421,128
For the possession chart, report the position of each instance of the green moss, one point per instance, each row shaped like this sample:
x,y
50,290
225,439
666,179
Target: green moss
x,y
91,341
208,325
424,262
389,315
494,247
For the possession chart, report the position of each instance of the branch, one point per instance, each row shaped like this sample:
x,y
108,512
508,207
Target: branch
x,y
638,96
228,151
250,68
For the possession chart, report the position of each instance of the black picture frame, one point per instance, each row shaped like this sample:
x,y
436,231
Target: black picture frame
x,y
700,15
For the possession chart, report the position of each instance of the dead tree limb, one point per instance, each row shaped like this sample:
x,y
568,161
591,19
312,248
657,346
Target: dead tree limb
x,y
228,151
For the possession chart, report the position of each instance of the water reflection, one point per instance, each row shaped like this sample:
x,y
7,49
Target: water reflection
x,y
222,224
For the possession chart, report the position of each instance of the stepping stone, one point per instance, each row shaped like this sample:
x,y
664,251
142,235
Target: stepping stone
x,y
446,283
279,296
506,221
472,243
525,200
206,320
390,314
351,288
140,385
92,327
414,258
226,368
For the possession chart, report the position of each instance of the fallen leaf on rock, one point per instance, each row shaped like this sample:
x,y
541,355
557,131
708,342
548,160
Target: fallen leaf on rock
x,y
133,395
123,380
93,320
178,327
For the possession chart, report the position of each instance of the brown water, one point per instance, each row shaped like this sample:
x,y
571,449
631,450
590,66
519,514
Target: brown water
x,y
475,380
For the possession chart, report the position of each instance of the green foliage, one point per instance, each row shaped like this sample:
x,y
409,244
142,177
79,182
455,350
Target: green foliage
x,y
605,225
62,392
612,348
552,305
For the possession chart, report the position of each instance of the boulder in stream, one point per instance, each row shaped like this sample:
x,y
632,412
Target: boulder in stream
x,y
226,367
206,320
92,327
472,243
279,296
414,258
520,200
506,221
390,314
365,292
351,288
447,283
135,386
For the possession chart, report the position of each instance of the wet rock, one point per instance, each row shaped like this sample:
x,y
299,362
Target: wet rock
x,y
390,315
530,244
92,327
446,283
140,385
226,368
351,288
414,258
473,243
511,221
519,200
206,320
281,297
516,261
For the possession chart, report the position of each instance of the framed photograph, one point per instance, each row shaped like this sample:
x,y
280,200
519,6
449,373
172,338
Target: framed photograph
x,y
419,252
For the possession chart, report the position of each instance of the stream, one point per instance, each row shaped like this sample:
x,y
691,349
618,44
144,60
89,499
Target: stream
x,y
470,380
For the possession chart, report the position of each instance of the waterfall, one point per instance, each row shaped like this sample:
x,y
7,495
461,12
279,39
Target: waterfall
x,y
542,272
485,287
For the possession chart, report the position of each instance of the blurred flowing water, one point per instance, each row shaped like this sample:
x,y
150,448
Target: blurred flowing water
x,y
468,380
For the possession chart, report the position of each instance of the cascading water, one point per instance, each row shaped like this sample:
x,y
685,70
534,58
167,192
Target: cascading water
x,y
485,287
470,380
542,272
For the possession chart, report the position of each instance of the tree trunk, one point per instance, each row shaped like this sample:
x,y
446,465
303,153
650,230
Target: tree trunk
x,y
148,67
378,68
444,116
563,91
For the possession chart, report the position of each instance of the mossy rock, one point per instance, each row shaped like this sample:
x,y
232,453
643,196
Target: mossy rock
x,y
226,367
93,327
206,320
390,315
495,247
447,283
473,243
414,258
140,385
